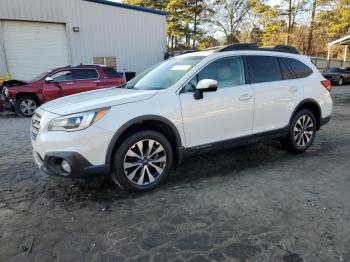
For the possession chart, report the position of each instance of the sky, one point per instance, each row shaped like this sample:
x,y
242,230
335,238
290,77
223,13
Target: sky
x,y
270,2
274,2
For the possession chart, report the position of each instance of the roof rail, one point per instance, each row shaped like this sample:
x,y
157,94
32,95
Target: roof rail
x,y
286,49
236,47
252,46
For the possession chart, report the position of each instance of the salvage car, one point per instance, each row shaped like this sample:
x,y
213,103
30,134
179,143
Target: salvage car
x,y
189,104
24,97
337,75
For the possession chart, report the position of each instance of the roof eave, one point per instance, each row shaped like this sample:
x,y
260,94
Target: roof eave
x,y
131,7
342,41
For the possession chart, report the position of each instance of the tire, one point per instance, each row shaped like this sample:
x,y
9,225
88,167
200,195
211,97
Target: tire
x,y
340,81
301,133
135,171
25,106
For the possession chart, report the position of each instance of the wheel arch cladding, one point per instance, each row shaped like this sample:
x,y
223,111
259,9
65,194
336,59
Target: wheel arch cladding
x,y
23,94
311,105
150,122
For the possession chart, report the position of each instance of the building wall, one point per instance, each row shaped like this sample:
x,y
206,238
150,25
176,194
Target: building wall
x,y
136,38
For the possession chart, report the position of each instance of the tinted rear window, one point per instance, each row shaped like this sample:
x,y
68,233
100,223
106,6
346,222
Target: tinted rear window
x,y
110,72
81,74
264,69
286,73
300,70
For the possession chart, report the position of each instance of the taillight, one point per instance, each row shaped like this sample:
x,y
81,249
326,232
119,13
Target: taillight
x,y
327,84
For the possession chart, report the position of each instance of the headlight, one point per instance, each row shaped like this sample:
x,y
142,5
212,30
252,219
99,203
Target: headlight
x,y
78,121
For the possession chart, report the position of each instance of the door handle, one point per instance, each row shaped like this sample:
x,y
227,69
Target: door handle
x,y
70,83
245,97
294,89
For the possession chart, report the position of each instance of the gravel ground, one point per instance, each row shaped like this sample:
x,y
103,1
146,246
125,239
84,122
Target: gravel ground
x,y
253,203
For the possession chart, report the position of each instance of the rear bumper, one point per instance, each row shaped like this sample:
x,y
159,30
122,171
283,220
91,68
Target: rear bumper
x,y
80,167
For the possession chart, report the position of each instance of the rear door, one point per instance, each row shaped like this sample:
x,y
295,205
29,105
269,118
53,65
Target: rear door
x,y
109,78
83,80
276,92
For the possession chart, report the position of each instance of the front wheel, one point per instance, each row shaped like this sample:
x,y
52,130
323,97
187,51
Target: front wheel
x,y
25,106
142,161
340,81
302,132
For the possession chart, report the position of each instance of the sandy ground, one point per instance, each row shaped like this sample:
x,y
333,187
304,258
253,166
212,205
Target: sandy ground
x,y
253,203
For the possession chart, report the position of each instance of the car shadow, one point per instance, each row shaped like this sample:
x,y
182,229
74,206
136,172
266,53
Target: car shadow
x,y
7,115
229,162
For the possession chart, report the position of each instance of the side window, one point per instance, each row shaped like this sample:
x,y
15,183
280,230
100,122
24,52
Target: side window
x,y
264,69
286,73
110,72
82,74
62,76
228,72
299,69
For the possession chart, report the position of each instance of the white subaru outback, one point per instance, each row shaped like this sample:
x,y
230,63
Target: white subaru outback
x,y
192,103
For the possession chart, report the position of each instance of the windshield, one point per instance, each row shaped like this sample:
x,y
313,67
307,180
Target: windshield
x,y
39,77
334,70
164,75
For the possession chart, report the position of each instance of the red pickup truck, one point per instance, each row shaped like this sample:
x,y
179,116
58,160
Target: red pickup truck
x,y
25,97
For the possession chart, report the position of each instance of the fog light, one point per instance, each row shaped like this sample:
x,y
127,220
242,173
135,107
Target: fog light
x,y
66,166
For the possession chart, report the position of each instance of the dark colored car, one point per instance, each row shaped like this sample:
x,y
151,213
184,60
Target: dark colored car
x,y
24,97
337,75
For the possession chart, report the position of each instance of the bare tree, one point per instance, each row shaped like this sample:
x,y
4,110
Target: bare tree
x,y
311,28
228,16
293,9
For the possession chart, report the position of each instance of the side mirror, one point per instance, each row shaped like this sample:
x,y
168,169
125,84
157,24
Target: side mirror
x,y
205,85
49,79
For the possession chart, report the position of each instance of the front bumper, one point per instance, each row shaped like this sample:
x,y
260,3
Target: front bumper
x,y
80,167
5,104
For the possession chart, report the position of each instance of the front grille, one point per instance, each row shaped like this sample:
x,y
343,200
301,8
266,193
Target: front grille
x,y
35,125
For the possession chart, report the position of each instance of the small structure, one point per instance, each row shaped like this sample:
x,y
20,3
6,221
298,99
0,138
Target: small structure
x,y
38,35
344,41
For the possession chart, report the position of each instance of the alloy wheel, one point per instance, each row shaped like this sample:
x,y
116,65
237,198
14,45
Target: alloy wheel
x,y
28,107
303,130
145,162
340,82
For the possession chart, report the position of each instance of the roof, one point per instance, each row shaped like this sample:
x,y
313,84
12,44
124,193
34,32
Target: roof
x,y
126,6
262,52
342,41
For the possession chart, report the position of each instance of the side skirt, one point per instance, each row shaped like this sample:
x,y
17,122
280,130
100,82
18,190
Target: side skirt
x,y
246,140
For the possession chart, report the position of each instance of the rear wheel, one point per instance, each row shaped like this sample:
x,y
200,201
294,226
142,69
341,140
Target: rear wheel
x,y
142,161
302,132
25,106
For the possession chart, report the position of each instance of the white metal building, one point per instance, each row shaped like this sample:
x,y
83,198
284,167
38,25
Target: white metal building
x,y
36,35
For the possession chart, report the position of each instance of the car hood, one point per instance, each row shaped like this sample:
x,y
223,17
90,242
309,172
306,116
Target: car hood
x,y
10,83
96,99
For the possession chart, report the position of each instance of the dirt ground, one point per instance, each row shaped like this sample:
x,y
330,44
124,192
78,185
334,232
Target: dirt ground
x,y
253,203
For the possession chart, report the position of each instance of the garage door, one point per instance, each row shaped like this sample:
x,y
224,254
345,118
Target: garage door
x,y
32,48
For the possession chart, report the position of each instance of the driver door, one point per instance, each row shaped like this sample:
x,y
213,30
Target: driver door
x,y
55,89
221,115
